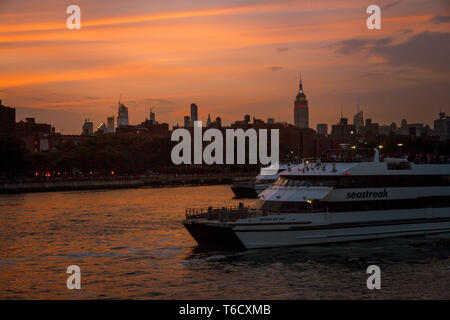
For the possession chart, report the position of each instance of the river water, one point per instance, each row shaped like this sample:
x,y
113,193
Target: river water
x,y
130,244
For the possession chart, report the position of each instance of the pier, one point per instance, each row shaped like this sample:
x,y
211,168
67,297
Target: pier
x,y
156,181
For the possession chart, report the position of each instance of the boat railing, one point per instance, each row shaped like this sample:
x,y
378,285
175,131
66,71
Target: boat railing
x,y
222,214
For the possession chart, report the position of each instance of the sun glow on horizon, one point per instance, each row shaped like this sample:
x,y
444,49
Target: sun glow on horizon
x,y
229,59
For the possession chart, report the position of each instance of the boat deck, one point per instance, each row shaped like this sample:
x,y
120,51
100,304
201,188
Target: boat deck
x,y
223,214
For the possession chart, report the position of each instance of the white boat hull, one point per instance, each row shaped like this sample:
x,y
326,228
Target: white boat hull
x,y
272,234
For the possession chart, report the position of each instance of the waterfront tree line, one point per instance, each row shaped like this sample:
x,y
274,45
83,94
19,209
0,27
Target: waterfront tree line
x,y
105,155
108,155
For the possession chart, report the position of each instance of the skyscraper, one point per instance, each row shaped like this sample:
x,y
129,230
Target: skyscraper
x,y
194,114
442,126
358,119
322,129
110,126
152,117
187,121
301,108
88,128
122,118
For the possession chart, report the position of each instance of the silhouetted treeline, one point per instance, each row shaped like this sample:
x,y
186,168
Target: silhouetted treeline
x,y
134,154
100,156
13,160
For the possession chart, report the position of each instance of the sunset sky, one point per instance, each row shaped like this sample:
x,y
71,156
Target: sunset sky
x,y
229,57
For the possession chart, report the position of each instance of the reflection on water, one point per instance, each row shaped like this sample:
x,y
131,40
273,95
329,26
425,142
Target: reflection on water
x,y
131,244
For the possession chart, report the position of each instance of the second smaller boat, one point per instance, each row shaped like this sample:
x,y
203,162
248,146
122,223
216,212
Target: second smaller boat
x,y
251,189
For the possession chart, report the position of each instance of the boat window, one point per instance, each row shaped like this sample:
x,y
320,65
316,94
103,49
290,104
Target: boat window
x,y
445,180
399,166
290,183
296,181
280,181
325,182
306,183
393,181
259,181
369,181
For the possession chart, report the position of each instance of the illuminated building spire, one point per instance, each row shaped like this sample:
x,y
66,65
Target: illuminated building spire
x,y
301,116
300,88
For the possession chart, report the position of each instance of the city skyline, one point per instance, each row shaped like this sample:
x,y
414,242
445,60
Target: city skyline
x,y
121,115
162,55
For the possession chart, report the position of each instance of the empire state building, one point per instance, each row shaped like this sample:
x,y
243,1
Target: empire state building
x,y
301,108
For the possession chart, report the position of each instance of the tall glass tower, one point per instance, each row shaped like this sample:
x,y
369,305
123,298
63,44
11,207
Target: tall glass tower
x,y
194,114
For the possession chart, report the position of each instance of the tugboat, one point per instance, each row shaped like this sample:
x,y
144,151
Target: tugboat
x,y
346,195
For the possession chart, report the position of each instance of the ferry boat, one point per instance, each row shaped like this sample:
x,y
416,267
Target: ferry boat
x,y
346,195
251,189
